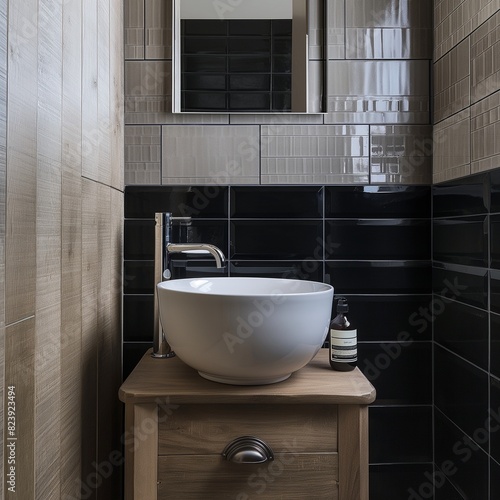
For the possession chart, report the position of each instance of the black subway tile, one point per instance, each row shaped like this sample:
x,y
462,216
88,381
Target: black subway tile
x,y
390,441
276,239
463,284
378,201
197,201
460,390
373,239
390,277
307,270
462,329
462,240
276,202
467,196
464,464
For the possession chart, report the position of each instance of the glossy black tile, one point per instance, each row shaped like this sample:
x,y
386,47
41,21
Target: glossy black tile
x,y
276,239
138,277
203,101
401,373
462,240
495,241
494,178
390,441
461,197
495,344
214,232
207,45
389,317
464,464
495,291
138,312
372,239
186,267
139,239
494,480
351,277
400,481
460,390
462,329
276,202
444,489
132,354
307,270
463,284
249,101
199,202
211,27
378,201
494,418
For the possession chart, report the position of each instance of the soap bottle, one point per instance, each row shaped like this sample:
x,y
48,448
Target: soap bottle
x,y
343,340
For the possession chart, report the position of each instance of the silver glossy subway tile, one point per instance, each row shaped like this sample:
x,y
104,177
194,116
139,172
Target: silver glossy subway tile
x,y
142,154
158,29
401,154
378,91
210,154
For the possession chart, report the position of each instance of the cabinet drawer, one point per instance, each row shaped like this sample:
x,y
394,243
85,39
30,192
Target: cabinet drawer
x,y
207,429
290,476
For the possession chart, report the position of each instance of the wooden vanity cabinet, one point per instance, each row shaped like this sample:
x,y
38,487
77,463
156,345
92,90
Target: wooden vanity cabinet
x,y
178,424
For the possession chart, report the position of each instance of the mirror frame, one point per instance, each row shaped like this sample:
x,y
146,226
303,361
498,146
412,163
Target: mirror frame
x,y
300,59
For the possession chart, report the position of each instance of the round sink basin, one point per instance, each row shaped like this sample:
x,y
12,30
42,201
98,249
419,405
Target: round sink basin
x,y
245,331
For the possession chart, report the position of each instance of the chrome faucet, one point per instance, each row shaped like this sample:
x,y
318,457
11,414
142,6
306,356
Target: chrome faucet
x,y
163,248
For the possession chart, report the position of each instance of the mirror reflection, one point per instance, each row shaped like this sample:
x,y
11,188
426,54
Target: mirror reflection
x,y
240,56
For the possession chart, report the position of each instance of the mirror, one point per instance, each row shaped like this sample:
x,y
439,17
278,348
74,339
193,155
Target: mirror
x,y
243,56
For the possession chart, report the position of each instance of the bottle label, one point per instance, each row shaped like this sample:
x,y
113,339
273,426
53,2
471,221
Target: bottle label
x,y
343,345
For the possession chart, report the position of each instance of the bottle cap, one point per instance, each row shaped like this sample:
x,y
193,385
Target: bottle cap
x,y
342,306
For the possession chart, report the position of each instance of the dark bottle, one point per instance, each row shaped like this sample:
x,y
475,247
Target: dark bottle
x,y
343,340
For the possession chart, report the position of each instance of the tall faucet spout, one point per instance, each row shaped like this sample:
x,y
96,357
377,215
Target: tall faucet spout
x,y
217,253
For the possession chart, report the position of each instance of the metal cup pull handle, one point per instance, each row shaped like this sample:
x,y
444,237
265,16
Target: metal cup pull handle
x,y
248,450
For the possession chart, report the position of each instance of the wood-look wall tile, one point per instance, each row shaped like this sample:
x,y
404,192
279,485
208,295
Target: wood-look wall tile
x,y
485,59
109,333
21,163
452,156
210,155
134,29
142,154
47,368
71,333
158,29
3,172
90,312
20,378
103,93
148,90
485,130
116,95
91,128
71,109
49,149
401,154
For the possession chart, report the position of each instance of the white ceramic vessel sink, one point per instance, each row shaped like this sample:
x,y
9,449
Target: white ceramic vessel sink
x,y
245,331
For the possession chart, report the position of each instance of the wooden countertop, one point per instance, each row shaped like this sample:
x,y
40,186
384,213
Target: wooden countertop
x,y
154,380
